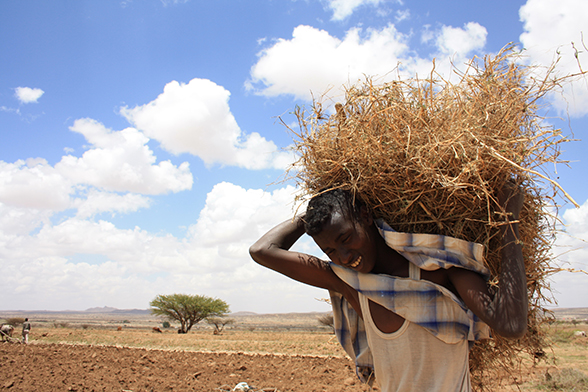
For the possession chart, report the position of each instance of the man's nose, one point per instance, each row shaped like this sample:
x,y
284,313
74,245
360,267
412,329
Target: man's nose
x,y
344,255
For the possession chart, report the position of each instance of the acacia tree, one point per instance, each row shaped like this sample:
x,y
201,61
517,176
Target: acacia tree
x,y
188,310
219,323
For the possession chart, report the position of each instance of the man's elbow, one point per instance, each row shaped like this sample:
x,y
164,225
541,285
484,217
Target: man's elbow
x,y
256,251
514,330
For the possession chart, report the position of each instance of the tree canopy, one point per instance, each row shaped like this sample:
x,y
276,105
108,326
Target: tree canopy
x,y
188,310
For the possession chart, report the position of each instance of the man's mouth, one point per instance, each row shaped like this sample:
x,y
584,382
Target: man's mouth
x,y
355,263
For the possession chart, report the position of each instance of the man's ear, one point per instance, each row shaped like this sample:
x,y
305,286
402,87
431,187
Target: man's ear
x,y
365,216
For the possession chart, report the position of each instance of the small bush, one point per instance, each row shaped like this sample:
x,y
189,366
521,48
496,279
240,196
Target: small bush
x,y
165,324
219,323
562,336
15,321
327,321
565,380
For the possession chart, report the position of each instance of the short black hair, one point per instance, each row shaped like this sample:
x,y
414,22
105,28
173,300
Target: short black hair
x,y
322,206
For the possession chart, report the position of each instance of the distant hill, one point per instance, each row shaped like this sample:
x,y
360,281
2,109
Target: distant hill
x,y
571,313
104,309
107,309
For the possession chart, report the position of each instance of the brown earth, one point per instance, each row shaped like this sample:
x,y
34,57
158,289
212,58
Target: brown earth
x,y
60,367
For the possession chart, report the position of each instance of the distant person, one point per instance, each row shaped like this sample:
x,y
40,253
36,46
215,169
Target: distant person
x,y
26,328
6,332
406,306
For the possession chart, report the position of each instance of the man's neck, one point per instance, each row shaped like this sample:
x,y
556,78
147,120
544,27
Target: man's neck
x,y
389,261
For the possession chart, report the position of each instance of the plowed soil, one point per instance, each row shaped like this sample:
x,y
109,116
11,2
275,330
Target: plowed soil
x,y
58,367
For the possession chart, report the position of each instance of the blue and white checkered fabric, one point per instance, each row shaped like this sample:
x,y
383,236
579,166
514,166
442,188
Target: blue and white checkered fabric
x,y
421,302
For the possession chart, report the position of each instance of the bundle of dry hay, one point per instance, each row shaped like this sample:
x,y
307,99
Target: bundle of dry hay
x,y
429,156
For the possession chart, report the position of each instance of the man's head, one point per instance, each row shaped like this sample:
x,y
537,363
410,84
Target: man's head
x,y
342,227
322,207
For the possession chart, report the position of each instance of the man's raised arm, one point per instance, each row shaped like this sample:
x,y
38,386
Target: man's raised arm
x,y
506,311
272,250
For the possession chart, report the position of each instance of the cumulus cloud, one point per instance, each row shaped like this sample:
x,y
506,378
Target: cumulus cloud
x,y
96,202
553,30
461,41
342,9
572,251
33,184
196,118
315,61
115,162
27,94
122,162
98,261
19,221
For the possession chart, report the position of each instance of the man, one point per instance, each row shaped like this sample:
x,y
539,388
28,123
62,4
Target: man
x,y
26,328
406,305
6,332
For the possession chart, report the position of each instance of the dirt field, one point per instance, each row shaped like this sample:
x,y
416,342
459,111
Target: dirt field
x,y
88,355
54,367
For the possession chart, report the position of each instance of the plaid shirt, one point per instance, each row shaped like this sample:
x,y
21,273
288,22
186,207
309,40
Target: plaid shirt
x,y
427,304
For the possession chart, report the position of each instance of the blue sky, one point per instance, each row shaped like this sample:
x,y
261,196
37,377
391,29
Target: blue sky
x,y
141,148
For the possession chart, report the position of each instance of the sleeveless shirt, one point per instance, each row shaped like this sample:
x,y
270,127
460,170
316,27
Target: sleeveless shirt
x,y
412,359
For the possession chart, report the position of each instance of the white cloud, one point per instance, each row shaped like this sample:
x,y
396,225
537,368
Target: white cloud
x,y
33,184
106,265
461,42
122,162
18,221
27,94
196,118
173,2
32,191
96,202
342,9
402,15
572,249
314,61
555,29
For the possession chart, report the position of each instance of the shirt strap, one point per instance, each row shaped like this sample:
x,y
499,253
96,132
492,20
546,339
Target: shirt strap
x,y
414,272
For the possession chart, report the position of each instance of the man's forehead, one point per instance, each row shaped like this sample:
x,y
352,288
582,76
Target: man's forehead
x,y
337,224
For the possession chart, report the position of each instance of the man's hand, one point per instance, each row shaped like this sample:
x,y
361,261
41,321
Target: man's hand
x,y
510,199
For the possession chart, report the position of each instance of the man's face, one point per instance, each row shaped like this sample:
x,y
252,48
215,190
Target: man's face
x,y
347,243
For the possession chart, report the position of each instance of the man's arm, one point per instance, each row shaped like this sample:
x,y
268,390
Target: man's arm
x,y
506,311
272,251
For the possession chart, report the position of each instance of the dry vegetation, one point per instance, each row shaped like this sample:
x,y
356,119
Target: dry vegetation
x,y
430,156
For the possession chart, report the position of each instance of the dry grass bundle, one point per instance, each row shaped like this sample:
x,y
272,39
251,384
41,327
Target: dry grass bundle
x,y
429,156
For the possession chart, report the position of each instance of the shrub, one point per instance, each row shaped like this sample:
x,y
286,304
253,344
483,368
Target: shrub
x,y
219,323
562,336
327,321
565,380
15,321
